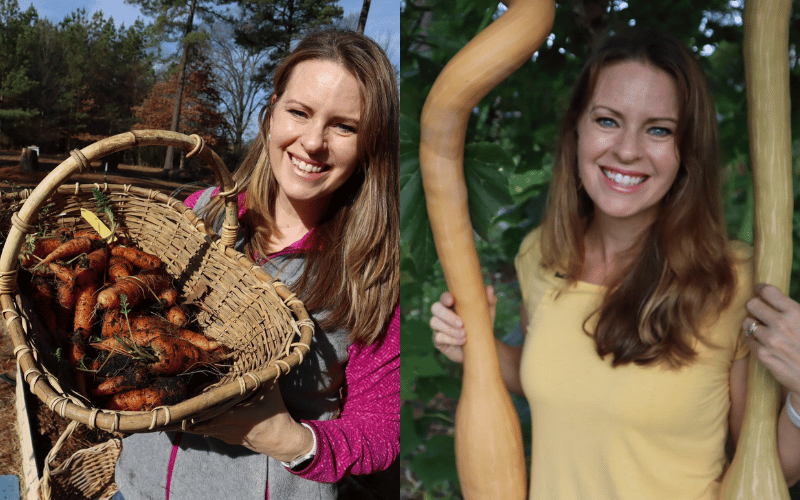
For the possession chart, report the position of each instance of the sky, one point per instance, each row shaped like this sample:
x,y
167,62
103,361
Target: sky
x,y
383,21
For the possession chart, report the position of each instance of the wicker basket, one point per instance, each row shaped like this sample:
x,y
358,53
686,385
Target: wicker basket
x,y
87,474
241,305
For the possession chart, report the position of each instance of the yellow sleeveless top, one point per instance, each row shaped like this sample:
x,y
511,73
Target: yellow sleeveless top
x,y
631,432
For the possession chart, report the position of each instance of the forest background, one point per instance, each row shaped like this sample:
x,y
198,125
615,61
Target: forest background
x,y
508,160
65,84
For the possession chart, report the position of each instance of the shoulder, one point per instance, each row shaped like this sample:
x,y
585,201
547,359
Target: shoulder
x,y
743,262
531,244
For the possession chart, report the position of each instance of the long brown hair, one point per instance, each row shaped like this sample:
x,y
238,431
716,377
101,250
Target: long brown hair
x,y
352,261
683,274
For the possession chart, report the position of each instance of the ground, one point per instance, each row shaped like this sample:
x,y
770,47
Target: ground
x,y
49,425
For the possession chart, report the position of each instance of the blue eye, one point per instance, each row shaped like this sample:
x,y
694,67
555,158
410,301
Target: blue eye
x,y
297,112
346,128
660,131
606,122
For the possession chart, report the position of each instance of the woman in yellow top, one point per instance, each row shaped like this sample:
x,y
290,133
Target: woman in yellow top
x,y
639,314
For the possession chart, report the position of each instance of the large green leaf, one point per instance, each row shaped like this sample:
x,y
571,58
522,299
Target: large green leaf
x,y
486,171
415,229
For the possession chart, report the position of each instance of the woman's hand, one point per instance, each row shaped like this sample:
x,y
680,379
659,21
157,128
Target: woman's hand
x,y
261,424
773,330
448,328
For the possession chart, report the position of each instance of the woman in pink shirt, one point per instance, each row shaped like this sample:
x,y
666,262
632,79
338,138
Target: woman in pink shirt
x,y
319,210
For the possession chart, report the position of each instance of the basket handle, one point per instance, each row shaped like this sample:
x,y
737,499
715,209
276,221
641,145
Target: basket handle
x,y
79,161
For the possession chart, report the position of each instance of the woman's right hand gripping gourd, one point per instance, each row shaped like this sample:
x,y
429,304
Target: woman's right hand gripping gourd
x,y
448,328
449,337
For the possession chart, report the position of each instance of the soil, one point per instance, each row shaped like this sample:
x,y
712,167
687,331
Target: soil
x,y
47,425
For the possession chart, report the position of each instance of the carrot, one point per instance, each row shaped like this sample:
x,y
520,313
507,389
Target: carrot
x,y
65,294
174,356
135,288
199,340
77,352
67,250
88,233
85,300
63,273
44,297
164,391
133,378
138,258
43,246
113,322
94,266
123,344
177,316
118,268
168,297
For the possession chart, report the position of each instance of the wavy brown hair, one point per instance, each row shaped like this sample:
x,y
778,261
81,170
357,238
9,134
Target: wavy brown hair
x,y
683,275
352,260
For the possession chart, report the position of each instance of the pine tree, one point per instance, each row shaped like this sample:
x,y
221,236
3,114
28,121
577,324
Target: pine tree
x,y
276,23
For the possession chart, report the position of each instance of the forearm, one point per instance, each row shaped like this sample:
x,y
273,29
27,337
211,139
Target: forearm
x,y
509,359
789,442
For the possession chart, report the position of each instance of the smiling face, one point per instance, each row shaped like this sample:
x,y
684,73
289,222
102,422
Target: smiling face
x,y
627,151
314,128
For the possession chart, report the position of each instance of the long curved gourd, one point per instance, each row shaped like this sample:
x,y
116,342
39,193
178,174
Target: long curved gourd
x,y
489,452
755,472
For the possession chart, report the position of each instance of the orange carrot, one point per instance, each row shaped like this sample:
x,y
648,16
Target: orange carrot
x,y
77,352
68,250
63,273
44,299
65,294
93,266
147,322
118,268
174,356
168,297
122,344
112,323
198,340
88,233
164,391
135,288
130,379
177,316
138,258
85,300
43,246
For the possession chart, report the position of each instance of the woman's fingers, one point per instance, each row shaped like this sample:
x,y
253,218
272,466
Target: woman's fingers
x,y
445,316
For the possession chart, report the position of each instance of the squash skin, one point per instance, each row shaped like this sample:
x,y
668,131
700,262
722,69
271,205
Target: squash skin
x,y
755,472
489,451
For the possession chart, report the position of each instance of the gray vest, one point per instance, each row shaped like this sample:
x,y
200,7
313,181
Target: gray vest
x,y
207,468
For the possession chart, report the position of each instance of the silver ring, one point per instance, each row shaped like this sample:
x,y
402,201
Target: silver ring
x,y
751,330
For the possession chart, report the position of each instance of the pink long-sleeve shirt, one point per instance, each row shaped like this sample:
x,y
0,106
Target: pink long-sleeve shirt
x,y
366,436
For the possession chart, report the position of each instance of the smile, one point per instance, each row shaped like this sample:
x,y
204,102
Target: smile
x,y
305,166
626,180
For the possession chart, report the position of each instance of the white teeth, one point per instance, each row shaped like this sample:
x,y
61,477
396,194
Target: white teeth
x,y
305,167
624,180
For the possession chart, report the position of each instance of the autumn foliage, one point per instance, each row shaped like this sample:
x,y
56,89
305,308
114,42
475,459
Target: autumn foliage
x,y
199,107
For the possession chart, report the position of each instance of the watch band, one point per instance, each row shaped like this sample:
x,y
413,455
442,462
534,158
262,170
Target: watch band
x,y
303,461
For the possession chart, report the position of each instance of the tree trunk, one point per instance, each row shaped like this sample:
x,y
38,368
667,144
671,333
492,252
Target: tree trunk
x,y
362,20
176,110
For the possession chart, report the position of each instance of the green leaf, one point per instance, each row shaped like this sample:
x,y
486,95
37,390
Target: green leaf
x,y
438,463
416,337
408,429
523,186
415,229
486,171
420,365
